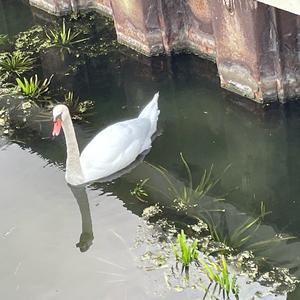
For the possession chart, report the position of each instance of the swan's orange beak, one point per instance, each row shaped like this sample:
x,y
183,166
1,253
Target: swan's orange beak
x,y
56,127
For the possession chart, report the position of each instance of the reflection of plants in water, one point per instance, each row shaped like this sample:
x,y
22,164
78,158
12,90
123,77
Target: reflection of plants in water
x,y
64,36
3,39
188,195
4,42
138,191
218,275
34,88
240,237
78,109
14,113
188,251
16,63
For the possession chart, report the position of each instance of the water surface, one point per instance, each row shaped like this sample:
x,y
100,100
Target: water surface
x,y
54,246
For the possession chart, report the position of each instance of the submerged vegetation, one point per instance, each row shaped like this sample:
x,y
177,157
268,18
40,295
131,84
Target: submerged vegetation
x,y
240,238
138,191
189,195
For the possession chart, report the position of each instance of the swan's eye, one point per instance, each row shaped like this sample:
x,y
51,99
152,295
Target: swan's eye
x,y
58,117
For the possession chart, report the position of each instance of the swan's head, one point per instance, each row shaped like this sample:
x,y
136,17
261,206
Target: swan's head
x,y
60,112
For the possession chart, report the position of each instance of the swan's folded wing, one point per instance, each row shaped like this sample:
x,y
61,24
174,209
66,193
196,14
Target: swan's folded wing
x,y
114,148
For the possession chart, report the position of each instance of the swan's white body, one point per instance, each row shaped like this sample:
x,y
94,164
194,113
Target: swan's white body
x,y
112,149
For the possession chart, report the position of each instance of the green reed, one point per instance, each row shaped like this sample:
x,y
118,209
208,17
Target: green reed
x,y
185,252
33,87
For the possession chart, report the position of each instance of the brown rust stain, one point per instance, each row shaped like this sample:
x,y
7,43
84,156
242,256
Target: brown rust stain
x,y
104,3
129,13
236,42
235,34
237,39
200,9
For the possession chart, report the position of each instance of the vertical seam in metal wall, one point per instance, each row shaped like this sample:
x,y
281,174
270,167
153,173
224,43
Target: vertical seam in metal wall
x,y
277,59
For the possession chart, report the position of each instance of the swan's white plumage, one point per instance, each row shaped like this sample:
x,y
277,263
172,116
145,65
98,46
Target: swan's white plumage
x,y
116,146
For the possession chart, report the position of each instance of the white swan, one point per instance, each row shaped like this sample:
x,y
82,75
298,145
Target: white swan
x,y
111,150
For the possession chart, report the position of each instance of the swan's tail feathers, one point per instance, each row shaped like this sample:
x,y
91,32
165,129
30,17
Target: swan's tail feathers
x,y
151,112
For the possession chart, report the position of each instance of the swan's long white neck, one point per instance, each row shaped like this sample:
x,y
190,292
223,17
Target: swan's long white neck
x,y
74,174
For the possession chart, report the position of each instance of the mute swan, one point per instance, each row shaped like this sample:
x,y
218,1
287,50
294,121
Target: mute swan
x,y
111,150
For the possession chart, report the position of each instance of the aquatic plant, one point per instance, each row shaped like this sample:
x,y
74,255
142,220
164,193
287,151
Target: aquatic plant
x,y
16,63
34,88
240,237
64,36
31,41
138,191
218,275
78,109
188,195
188,251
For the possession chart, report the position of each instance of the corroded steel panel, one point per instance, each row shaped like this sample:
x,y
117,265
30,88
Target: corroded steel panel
x,y
199,30
267,51
165,25
257,49
171,15
234,31
288,27
132,19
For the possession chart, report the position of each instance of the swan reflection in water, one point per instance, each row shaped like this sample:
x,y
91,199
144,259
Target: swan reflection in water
x,y
80,194
86,236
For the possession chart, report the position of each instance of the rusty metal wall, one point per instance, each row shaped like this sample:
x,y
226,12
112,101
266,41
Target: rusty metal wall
x,y
236,45
199,29
288,26
165,25
137,25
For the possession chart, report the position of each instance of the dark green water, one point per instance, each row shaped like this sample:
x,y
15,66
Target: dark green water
x,y
40,222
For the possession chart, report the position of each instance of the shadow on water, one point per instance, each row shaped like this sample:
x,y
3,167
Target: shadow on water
x,y
238,230
263,239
